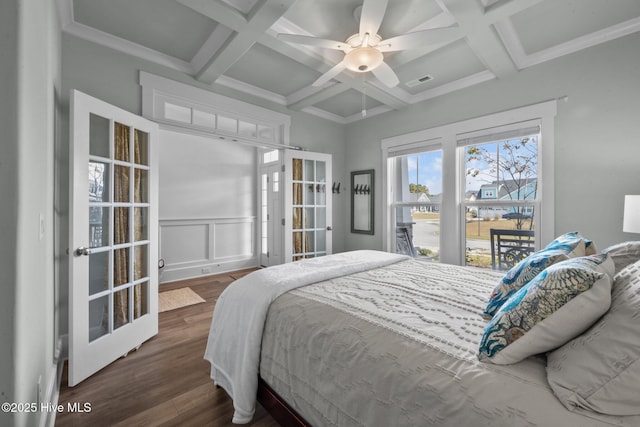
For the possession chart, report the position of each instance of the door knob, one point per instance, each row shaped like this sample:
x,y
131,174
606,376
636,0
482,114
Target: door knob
x,y
82,251
329,228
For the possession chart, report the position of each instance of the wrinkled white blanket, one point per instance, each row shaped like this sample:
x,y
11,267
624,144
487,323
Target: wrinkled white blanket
x,y
235,337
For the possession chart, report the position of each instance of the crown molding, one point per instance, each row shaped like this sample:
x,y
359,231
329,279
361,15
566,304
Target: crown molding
x,y
251,90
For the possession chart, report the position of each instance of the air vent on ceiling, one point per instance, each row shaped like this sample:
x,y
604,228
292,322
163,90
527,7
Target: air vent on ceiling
x,y
419,81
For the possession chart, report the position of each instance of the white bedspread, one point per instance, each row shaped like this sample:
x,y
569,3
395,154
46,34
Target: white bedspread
x,y
233,348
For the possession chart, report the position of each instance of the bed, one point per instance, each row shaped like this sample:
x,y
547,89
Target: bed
x,y
368,338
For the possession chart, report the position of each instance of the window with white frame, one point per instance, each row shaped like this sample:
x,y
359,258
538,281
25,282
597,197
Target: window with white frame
x,y
496,174
417,191
500,193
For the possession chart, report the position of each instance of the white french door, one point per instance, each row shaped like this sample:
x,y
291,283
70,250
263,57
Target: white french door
x,y
308,205
113,290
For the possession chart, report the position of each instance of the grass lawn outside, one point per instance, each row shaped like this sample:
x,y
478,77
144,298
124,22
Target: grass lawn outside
x,y
476,229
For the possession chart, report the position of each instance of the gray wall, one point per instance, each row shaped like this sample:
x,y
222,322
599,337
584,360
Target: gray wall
x,y
29,81
597,146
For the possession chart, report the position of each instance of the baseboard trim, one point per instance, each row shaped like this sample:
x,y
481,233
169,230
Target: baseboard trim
x,y
52,394
171,275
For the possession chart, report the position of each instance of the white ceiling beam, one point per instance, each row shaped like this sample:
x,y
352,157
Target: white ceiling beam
x,y
320,94
209,48
503,10
481,36
218,12
247,30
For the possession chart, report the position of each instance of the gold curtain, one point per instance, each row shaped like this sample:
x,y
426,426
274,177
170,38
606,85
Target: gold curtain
x,y
139,255
121,227
300,238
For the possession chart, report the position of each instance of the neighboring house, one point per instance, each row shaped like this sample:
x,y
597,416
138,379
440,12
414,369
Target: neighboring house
x,y
506,190
419,198
424,198
435,198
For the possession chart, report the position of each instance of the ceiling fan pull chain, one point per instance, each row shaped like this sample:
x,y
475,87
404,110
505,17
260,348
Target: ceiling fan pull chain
x,y
364,96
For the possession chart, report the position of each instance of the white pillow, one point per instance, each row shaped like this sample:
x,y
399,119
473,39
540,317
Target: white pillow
x,y
556,306
600,370
623,254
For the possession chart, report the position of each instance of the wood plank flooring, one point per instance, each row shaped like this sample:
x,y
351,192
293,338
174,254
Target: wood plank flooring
x,y
166,381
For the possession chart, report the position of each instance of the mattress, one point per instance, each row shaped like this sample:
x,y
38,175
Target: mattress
x,y
397,346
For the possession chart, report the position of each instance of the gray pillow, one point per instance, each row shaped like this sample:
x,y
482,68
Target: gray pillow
x,y
624,254
600,369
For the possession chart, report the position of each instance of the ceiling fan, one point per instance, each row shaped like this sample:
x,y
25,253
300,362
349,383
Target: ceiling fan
x,y
363,50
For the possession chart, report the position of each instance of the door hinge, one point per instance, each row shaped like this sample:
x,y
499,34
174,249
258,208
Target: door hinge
x,y
282,168
282,221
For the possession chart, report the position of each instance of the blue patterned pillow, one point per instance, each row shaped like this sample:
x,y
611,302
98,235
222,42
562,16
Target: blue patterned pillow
x,y
555,307
520,275
568,245
574,244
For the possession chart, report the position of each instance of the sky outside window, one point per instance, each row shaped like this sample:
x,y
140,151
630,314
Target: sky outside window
x,y
512,160
426,169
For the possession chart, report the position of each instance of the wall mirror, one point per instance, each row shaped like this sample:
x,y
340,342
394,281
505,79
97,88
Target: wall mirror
x,y
362,201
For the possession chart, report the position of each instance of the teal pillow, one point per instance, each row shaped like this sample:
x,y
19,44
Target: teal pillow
x,y
568,245
519,276
574,244
556,306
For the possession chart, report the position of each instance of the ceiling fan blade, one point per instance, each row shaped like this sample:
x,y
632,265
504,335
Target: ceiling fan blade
x,y
386,75
337,69
419,39
371,16
315,41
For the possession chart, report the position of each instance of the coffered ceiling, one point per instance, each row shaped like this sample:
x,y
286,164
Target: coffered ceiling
x,y
234,43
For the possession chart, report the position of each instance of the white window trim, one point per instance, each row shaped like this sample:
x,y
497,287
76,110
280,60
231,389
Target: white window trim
x,y
452,246
155,89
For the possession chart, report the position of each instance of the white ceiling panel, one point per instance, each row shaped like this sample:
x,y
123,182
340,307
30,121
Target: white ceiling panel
x,y
446,65
271,71
156,24
554,22
348,103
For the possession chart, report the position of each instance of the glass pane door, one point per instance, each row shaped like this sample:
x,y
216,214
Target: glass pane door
x,y
308,205
118,227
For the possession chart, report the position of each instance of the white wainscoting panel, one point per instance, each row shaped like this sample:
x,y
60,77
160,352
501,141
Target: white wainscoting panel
x,y
199,247
231,238
185,243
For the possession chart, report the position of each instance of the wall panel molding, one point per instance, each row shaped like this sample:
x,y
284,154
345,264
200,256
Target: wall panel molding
x,y
199,247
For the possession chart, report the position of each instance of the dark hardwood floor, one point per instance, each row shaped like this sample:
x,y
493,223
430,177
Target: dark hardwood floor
x,y
166,381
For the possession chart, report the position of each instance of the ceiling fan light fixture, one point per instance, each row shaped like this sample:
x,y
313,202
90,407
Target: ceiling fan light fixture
x,y
363,59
